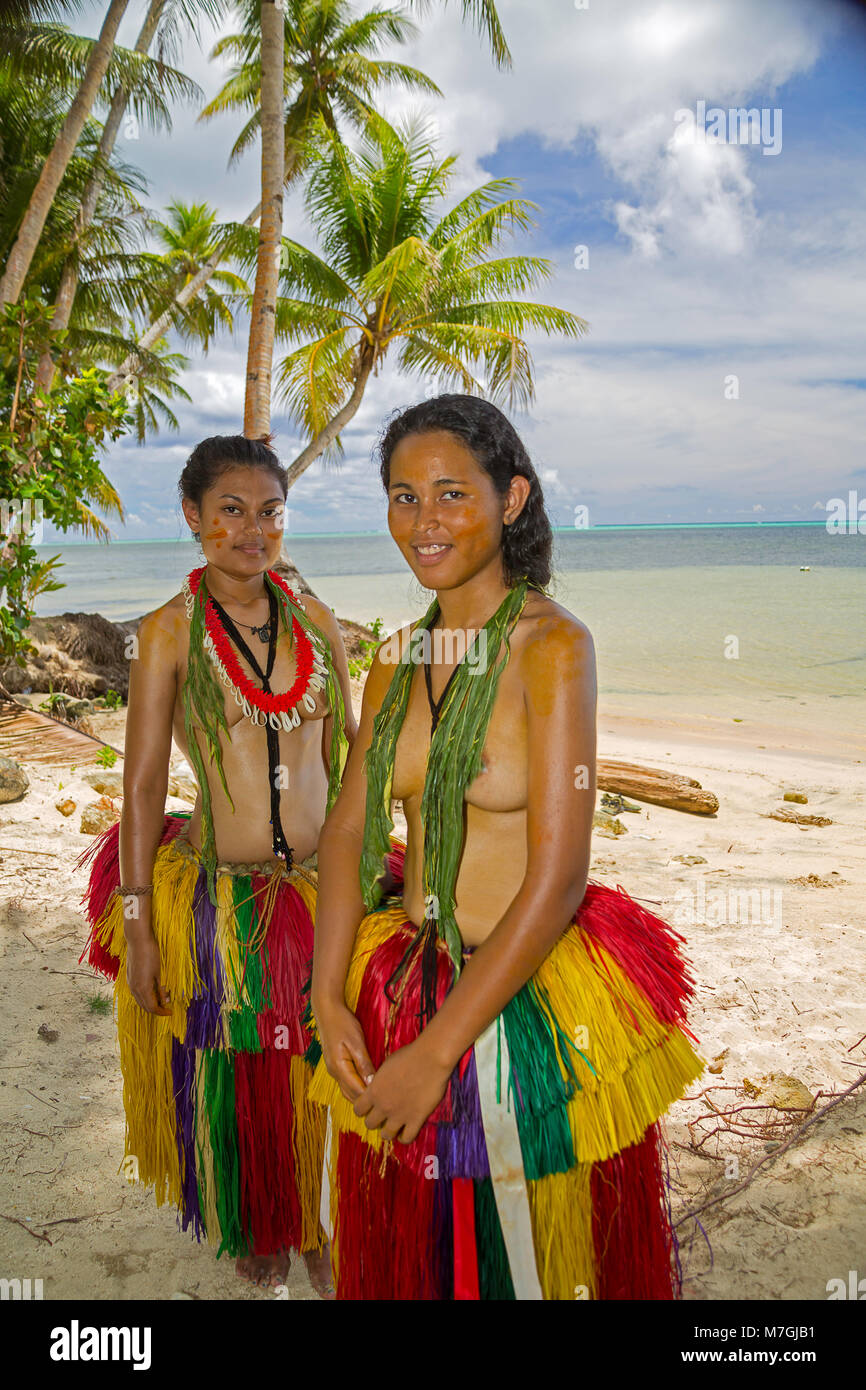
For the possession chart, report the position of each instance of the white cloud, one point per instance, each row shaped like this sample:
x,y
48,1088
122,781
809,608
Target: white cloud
x,y
720,261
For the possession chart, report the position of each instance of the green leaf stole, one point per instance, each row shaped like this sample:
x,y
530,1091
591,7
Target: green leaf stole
x,y
453,761
204,708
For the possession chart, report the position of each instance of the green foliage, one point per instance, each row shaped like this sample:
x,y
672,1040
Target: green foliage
x,y
112,699
359,664
99,1004
106,757
398,272
54,702
49,463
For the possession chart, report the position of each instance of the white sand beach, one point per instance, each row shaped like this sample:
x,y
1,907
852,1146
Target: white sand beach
x,y
779,995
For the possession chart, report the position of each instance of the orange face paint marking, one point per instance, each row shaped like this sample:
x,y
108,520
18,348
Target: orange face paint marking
x,y
216,535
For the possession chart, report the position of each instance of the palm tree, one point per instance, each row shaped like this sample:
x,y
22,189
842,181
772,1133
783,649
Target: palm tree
x,y
55,165
119,283
186,238
332,69
260,347
163,17
395,270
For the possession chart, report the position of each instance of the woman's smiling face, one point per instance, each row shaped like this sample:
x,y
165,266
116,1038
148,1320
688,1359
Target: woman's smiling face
x,y
443,510
240,520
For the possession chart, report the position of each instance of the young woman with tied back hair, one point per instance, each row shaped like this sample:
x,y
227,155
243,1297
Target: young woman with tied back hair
x,y
206,920
497,1039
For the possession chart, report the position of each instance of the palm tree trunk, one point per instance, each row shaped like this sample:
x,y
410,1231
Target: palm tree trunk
x,y
69,275
260,353
318,445
22,253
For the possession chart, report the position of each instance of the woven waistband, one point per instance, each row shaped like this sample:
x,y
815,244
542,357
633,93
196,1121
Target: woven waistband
x,y
307,868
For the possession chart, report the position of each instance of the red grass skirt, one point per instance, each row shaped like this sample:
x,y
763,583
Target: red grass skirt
x,y
595,1049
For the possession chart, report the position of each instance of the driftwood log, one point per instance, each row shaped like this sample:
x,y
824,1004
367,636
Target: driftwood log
x,y
657,786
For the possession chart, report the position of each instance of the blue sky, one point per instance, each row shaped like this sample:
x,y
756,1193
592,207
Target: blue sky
x,y
707,262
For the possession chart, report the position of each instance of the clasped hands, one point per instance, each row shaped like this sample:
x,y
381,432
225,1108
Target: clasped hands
x,y
396,1098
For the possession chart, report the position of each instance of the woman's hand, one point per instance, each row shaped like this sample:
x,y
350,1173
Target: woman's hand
x,y
142,976
344,1048
404,1092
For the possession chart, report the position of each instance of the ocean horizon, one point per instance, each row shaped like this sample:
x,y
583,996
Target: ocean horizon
x,y
737,621
564,530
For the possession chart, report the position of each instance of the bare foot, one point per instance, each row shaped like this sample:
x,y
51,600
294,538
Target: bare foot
x,y
319,1269
268,1271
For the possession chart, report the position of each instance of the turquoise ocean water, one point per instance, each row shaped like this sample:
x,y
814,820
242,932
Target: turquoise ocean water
x,y
687,621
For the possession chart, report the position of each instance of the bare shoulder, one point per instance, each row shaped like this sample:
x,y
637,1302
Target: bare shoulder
x,y
323,617
165,625
384,663
548,637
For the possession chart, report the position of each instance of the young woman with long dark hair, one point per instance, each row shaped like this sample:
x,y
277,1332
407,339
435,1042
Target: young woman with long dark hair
x,y
206,920
497,1039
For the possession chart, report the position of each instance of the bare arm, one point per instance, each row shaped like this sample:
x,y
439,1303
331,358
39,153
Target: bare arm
x,y
558,670
152,694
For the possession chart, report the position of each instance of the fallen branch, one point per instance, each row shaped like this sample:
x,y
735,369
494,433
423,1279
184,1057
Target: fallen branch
x,y
24,1226
74,1220
768,1158
49,1103
656,785
25,849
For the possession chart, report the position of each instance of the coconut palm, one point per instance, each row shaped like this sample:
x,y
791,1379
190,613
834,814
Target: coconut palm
x,y
186,238
257,405
162,21
260,346
54,167
28,126
332,69
120,283
397,272
17,15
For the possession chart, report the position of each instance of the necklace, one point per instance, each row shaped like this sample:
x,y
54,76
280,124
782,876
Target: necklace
x,y
282,848
436,705
263,633
261,706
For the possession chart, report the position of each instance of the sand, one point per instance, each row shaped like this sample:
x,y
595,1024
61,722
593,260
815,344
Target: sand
x,y
780,993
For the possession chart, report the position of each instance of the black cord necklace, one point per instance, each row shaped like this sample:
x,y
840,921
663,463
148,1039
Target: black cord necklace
x,y
282,850
436,705
263,632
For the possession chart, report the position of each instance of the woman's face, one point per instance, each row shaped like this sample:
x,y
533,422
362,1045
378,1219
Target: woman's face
x,y
240,521
443,510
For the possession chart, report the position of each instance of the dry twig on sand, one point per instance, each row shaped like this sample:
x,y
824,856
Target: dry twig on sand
x,y
768,1158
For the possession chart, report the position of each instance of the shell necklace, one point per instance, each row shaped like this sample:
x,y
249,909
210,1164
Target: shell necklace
x,y
260,706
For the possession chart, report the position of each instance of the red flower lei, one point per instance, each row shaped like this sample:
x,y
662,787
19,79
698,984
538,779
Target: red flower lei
x,y
269,704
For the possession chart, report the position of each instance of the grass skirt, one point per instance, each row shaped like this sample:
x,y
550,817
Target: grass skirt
x,y
540,1173
218,1119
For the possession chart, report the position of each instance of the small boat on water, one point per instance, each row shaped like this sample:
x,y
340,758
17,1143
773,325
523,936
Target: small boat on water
x,y
805,567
